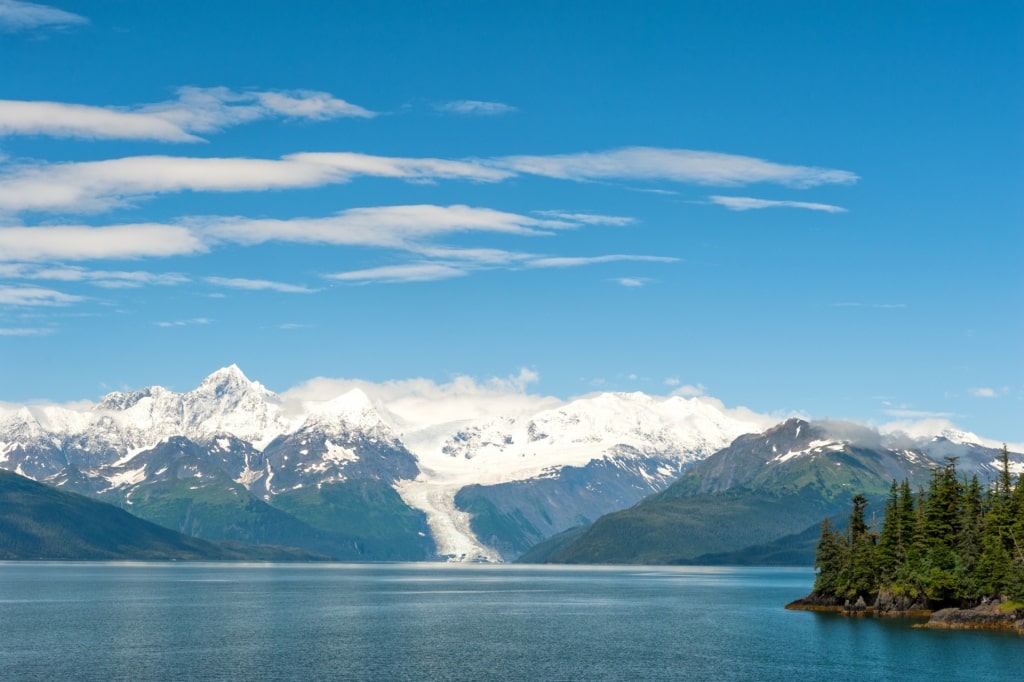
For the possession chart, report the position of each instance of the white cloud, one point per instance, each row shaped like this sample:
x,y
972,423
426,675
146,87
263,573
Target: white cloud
x,y
205,110
928,427
200,321
385,226
18,16
476,108
197,110
78,242
750,203
316,106
259,285
588,218
686,391
26,331
576,261
101,185
918,414
465,256
985,392
75,120
416,404
104,278
413,229
35,296
677,165
395,274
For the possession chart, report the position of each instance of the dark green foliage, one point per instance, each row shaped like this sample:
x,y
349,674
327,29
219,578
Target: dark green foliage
x,y
951,546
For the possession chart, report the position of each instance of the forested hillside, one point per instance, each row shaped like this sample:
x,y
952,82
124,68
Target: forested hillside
x,y
954,544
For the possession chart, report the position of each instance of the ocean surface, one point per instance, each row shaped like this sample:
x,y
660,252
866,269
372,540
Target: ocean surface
x,y
89,621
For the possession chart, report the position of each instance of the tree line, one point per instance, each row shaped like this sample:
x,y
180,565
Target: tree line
x,y
955,544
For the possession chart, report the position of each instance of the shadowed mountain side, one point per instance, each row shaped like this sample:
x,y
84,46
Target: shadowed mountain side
x,y
758,490
40,523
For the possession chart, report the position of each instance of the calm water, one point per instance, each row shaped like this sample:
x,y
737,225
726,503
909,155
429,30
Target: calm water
x,y
440,622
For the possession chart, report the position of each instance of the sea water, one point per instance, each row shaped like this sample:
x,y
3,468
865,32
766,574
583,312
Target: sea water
x,y
186,621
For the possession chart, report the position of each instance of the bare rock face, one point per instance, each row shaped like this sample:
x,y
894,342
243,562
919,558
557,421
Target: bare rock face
x,y
988,616
891,603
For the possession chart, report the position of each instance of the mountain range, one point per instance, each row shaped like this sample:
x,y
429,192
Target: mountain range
x,y
346,478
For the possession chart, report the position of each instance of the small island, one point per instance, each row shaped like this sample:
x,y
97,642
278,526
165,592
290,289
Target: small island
x,y
953,553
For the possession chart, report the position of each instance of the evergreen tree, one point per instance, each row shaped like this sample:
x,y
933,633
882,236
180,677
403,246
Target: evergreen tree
x,y
890,552
941,527
953,544
860,574
969,541
829,560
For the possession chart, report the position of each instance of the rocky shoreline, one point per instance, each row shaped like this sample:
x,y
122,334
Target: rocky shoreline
x,y
992,615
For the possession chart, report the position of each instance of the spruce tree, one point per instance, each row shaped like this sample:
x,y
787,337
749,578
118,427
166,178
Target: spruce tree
x,y
829,561
860,574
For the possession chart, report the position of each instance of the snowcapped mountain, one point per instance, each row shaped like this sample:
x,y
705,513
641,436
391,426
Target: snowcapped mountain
x,y
231,459
760,489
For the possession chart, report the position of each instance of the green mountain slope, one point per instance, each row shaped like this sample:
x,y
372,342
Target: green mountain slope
x,y
40,522
741,500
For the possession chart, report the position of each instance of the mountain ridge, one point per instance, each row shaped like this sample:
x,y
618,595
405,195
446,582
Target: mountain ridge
x,y
484,489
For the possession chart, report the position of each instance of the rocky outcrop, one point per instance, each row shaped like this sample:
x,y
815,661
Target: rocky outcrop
x,y
816,602
889,603
994,615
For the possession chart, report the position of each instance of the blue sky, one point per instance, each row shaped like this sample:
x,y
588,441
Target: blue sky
x,y
809,207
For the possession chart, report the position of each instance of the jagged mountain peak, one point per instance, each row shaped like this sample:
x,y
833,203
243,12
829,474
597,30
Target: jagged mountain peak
x,y
230,379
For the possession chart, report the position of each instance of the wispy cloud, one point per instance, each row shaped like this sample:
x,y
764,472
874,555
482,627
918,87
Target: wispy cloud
x,y
100,185
79,242
488,260
410,228
195,321
57,119
26,331
259,285
196,110
686,391
474,107
677,165
103,278
577,261
987,392
19,16
397,274
883,306
918,414
402,227
750,203
35,296
589,218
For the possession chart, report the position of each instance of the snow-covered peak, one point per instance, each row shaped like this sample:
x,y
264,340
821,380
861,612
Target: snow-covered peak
x,y
20,424
960,437
590,428
228,380
350,411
